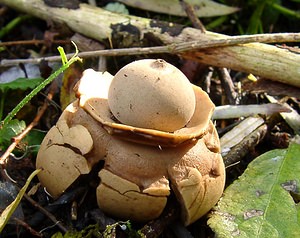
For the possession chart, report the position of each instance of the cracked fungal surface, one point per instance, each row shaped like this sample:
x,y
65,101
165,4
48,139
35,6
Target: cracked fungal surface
x,y
64,159
137,178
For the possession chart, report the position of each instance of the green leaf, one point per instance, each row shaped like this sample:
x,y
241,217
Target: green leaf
x,y
21,83
286,11
14,128
263,202
255,22
117,8
9,210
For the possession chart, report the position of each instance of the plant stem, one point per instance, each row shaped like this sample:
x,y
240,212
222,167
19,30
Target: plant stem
x,y
255,24
12,24
285,11
36,90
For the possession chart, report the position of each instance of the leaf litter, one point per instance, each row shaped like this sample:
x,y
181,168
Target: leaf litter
x,y
289,186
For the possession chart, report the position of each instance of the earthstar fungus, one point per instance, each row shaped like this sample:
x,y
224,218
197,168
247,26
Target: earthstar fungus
x,y
148,149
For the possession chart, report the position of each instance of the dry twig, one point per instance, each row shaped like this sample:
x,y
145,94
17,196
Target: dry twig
x,y
47,213
175,48
228,86
27,227
190,12
247,144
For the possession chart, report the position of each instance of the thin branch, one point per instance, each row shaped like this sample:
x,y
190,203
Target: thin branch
x,y
228,86
190,12
172,48
27,227
47,213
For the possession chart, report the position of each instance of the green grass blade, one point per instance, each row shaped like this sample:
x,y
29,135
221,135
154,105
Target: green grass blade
x,y
9,210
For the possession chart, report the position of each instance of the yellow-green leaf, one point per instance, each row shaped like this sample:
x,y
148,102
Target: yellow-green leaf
x,y
263,202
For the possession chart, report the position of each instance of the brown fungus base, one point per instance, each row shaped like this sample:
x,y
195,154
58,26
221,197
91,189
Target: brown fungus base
x,y
136,178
